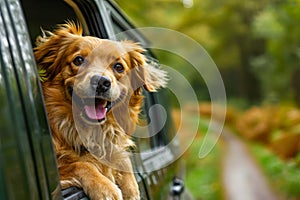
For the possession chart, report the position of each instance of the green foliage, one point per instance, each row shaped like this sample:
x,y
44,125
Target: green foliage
x,y
203,176
278,25
284,176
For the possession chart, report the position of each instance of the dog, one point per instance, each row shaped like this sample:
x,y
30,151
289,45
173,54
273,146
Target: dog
x,y
92,90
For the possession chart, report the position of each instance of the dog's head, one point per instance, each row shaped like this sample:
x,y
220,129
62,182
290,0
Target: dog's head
x,y
100,75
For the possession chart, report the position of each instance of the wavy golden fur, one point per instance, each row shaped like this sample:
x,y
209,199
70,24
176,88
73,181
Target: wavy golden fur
x,y
92,91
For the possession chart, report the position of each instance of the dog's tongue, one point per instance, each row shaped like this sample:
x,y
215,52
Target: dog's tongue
x,y
96,112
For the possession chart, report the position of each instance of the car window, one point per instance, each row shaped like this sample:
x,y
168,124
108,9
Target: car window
x,y
45,15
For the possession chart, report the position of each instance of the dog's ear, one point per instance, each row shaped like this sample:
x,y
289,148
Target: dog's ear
x,y
145,73
155,77
51,47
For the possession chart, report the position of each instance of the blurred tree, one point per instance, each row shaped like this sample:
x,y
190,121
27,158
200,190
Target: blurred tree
x,y
278,25
254,43
229,41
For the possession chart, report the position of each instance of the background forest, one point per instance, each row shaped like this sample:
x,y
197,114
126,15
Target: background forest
x,y
254,43
256,47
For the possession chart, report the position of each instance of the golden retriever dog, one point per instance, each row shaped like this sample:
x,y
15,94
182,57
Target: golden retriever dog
x,y
92,90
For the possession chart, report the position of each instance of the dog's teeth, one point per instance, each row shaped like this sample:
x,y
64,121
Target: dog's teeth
x,y
105,104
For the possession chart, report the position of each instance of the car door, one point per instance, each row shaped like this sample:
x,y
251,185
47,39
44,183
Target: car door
x,y
27,161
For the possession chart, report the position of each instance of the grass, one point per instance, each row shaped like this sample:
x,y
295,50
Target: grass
x,y
203,175
284,175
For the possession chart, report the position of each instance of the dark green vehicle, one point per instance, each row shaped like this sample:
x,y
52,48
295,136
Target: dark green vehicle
x,y
27,161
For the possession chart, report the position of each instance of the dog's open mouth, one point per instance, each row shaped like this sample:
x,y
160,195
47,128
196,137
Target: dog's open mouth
x,y
95,109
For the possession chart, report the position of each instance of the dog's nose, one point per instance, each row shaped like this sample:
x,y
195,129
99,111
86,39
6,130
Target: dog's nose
x,y
100,84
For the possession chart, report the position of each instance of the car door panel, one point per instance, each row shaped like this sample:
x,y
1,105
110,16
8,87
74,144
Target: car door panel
x,y
25,140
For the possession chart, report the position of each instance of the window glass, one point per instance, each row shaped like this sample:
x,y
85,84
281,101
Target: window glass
x,y
46,15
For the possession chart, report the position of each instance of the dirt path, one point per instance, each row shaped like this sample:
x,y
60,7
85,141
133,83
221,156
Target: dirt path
x,y
242,178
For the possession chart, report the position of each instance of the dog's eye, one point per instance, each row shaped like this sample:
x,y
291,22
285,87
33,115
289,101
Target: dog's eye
x,y
78,61
118,67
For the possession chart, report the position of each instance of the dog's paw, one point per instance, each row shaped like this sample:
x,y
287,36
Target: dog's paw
x,y
133,198
131,194
104,194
